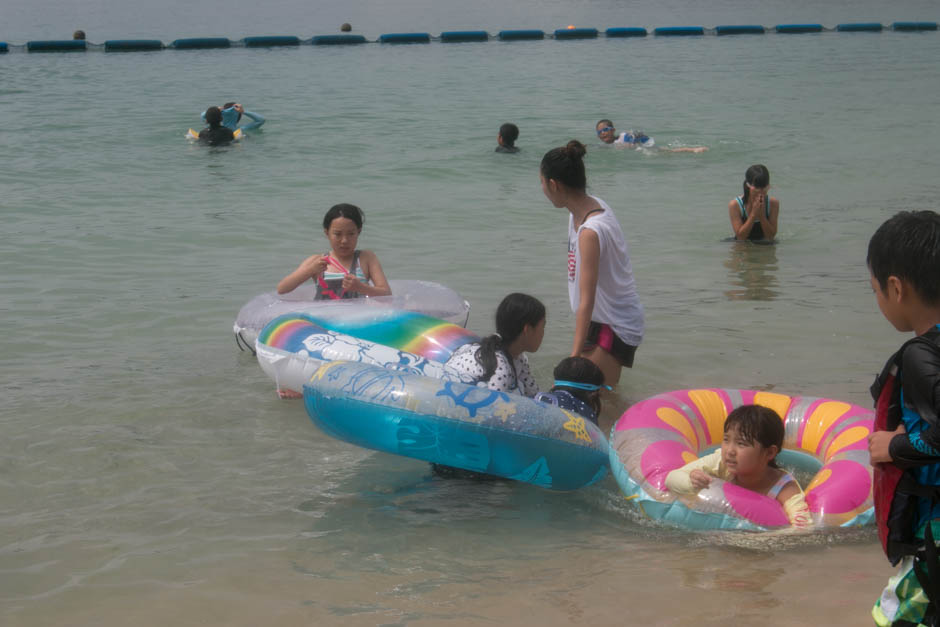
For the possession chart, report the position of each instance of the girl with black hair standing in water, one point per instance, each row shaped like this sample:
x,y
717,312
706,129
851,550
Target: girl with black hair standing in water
x,y
609,319
754,214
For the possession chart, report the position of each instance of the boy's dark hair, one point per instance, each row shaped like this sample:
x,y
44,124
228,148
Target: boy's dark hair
x,y
565,164
214,117
907,246
759,424
605,122
509,132
513,314
580,370
344,210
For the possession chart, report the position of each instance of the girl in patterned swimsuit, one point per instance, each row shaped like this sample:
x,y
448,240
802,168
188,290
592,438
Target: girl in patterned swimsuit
x,y
498,362
345,271
753,437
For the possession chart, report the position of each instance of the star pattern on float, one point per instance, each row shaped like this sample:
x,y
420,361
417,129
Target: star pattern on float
x,y
575,425
504,411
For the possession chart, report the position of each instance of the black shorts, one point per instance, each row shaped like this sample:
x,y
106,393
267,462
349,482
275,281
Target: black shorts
x,y
600,334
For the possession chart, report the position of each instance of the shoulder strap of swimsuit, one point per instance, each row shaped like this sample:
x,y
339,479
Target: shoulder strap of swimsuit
x,y
356,270
740,200
783,481
589,214
767,206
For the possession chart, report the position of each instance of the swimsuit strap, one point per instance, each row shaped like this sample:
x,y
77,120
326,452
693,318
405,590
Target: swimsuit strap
x,y
781,482
588,215
356,269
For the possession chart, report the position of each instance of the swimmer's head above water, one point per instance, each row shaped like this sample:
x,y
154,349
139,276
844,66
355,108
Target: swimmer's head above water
x,y
606,131
214,117
508,134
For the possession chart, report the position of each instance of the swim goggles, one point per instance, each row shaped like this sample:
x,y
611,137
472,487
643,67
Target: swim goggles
x,y
605,129
590,387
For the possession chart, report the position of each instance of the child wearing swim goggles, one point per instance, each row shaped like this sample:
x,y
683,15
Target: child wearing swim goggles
x,y
578,382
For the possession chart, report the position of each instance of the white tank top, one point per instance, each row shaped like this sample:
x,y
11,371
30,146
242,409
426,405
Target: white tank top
x,y
616,302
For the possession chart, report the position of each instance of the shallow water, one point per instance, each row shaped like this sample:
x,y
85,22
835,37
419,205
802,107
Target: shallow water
x,y
149,473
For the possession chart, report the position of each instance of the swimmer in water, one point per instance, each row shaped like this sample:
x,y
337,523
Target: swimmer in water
x,y
634,139
216,134
232,113
508,133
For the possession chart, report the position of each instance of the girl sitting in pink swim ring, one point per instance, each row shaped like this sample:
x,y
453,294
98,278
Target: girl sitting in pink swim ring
x,y
753,435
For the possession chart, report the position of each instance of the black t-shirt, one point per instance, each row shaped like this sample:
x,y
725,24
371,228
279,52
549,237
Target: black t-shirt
x,y
216,136
920,380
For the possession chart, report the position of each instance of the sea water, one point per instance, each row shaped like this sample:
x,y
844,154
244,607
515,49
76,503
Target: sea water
x,y
148,472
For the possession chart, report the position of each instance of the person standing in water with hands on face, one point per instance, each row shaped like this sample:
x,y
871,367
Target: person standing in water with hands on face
x,y
754,214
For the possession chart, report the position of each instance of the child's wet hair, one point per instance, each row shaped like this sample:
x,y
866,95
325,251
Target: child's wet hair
x,y
757,424
757,176
580,370
605,122
344,210
214,117
565,164
509,132
907,246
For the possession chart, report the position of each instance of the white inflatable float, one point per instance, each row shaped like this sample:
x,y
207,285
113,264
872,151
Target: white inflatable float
x,y
425,297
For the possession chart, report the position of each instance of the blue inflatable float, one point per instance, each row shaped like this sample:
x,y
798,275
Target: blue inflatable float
x,y
457,425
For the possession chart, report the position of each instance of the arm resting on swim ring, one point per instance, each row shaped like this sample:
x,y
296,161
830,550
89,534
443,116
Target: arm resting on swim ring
x,y
679,480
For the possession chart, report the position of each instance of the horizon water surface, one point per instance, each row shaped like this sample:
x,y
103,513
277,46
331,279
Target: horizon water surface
x,y
148,472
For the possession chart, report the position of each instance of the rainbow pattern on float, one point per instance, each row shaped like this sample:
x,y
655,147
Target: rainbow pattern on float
x,y
408,331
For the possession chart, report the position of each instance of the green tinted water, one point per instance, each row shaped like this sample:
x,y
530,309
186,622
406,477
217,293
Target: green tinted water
x,y
147,469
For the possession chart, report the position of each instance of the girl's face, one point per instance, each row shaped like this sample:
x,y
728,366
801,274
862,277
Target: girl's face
x,y
343,235
759,192
744,458
532,336
552,191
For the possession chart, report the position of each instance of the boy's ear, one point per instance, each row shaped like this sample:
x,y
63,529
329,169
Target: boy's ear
x,y
896,289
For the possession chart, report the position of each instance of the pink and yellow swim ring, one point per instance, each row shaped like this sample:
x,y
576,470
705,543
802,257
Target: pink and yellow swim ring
x,y
669,430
